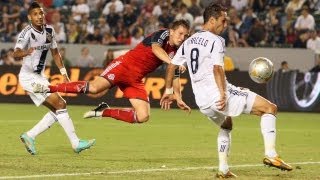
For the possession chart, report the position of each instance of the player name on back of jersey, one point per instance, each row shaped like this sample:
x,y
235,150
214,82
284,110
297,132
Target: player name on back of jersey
x,y
198,40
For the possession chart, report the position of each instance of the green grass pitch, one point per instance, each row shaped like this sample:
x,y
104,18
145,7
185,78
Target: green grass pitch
x,y
172,145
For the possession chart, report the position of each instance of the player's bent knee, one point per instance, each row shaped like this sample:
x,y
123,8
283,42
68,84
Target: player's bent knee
x,y
143,118
60,104
272,109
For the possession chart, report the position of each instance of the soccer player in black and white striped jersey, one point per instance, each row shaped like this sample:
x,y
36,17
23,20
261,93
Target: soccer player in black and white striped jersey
x,y
32,45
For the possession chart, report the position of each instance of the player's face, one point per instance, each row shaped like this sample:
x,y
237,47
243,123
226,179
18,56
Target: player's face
x,y
220,24
177,36
36,16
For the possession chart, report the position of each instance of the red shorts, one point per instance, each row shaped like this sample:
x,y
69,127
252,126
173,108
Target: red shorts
x,y
118,74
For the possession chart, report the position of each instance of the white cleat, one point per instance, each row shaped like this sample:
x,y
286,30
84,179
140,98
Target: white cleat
x,y
39,88
96,112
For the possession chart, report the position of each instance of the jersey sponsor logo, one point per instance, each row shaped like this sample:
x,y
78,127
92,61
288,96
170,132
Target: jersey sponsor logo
x,y
237,92
110,67
42,47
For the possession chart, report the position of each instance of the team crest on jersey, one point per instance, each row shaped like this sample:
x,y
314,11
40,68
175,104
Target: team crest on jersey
x,y
33,37
111,76
49,37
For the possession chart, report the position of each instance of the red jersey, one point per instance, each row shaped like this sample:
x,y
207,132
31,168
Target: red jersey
x,y
141,60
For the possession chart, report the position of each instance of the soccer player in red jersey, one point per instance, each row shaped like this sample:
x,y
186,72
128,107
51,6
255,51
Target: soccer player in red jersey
x,y
127,72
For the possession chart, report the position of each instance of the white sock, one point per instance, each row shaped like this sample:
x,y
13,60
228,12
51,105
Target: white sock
x,y
224,141
44,124
268,130
67,125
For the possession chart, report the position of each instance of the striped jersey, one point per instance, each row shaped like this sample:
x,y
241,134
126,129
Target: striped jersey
x,y
201,52
42,42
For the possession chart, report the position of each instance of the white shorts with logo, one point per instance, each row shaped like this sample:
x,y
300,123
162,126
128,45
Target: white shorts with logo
x,y
27,81
238,102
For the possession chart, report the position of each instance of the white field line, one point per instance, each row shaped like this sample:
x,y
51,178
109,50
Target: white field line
x,y
139,171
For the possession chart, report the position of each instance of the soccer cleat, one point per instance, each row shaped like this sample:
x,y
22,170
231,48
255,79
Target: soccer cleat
x,y
229,174
28,143
277,163
39,88
96,112
84,144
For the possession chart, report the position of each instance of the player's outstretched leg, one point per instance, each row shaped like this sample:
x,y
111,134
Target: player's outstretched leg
x,y
103,110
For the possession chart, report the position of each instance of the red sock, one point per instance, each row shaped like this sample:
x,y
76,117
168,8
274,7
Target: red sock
x,y
71,87
126,115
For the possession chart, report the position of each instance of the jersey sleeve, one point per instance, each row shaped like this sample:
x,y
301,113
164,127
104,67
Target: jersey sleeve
x,y
159,37
217,54
23,40
180,57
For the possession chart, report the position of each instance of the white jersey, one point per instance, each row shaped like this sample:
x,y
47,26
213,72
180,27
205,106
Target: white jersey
x,y
201,52
42,42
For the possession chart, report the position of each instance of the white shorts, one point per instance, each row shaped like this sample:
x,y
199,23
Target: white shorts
x,y
238,102
28,81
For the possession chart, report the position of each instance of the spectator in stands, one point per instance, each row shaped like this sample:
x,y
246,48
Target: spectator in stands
x,y
85,60
113,17
157,8
284,67
124,38
3,56
257,34
240,5
86,27
73,34
95,37
290,35
151,25
117,4
10,33
195,9
305,21
80,10
137,37
314,44
258,5
287,20
147,8
108,58
295,5
165,18
66,61
102,24
183,14
109,39
129,17
58,27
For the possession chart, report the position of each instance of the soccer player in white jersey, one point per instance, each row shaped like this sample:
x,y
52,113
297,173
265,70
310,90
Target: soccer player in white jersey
x,y
32,45
219,100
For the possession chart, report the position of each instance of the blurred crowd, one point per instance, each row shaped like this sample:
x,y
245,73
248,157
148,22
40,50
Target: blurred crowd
x,y
253,23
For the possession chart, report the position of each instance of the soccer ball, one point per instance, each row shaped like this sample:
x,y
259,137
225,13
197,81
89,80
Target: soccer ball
x,y
261,70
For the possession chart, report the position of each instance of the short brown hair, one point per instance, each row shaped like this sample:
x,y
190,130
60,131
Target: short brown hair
x,y
180,22
213,10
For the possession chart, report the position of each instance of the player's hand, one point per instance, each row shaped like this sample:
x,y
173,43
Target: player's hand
x,y
29,51
221,103
183,106
166,101
182,69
